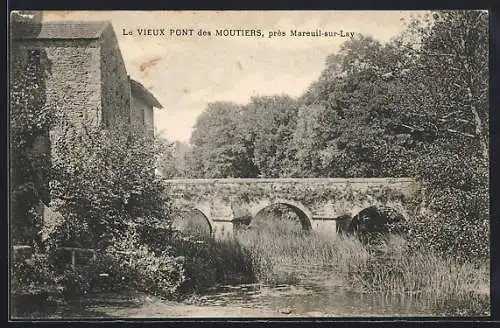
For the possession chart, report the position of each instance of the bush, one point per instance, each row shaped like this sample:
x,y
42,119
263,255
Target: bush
x,y
456,224
33,276
144,266
103,180
36,284
210,261
451,236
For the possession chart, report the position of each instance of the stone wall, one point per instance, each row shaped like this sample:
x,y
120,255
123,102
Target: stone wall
x,y
115,84
73,84
141,113
149,118
137,109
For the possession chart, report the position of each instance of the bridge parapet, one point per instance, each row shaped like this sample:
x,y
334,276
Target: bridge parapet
x,y
321,200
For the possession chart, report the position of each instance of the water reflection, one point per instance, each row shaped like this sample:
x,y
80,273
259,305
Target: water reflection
x,y
318,293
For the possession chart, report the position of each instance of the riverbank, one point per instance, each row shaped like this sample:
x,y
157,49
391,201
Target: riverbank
x,y
152,307
316,297
281,272
143,306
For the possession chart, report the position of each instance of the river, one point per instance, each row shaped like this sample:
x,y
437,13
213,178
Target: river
x,y
317,294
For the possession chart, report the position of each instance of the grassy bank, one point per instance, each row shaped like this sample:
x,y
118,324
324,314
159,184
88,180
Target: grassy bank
x,y
444,285
275,253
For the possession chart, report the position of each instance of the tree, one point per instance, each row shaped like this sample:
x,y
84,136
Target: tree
x,y
103,180
218,150
445,99
307,142
348,113
167,165
267,126
448,85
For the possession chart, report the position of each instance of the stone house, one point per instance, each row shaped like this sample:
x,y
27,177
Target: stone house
x,y
87,79
142,104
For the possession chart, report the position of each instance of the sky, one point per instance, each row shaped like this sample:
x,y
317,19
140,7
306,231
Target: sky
x,y
185,73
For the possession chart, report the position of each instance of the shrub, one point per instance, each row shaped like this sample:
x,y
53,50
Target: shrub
x,y
33,276
145,268
32,284
211,261
456,226
456,199
102,180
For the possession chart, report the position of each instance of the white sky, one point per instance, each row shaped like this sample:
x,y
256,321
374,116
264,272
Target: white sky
x,y
185,73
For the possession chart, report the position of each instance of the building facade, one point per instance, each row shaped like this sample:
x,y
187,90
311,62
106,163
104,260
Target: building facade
x,y
87,76
86,81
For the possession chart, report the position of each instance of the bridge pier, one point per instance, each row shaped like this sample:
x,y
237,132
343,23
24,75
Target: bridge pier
x,y
326,226
222,229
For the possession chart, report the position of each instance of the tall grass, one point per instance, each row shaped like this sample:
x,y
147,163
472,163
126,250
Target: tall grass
x,y
278,245
443,285
275,251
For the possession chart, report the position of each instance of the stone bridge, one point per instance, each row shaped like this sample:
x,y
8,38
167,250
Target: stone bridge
x,y
319,203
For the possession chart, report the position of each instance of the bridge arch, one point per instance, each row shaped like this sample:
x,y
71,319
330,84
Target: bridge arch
x,y
183,217
378,218
304,214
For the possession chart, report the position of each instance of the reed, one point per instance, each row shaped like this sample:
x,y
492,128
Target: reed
x,y
443,285
278,252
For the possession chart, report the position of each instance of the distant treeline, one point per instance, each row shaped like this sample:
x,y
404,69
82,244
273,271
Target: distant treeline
x,y
376,110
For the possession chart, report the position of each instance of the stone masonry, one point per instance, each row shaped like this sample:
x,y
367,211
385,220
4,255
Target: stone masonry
x,y
319,203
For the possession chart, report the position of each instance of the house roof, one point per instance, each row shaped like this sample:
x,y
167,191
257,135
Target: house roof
x,y
59,30
140,91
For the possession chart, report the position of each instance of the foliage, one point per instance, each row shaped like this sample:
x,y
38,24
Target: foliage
x,y
267,126
415,106
156,274
446,97
32,276
211,261
346,114
218,150
30,122
173,163
129,264
104,179
33,284
167,162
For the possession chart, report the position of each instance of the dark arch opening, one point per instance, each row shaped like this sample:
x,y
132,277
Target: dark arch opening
x,y
282,216
377,220
342,223
192,222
